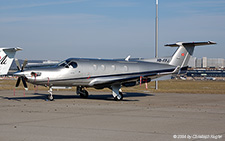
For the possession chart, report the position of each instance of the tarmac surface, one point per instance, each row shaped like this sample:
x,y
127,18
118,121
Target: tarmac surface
x,y
141,116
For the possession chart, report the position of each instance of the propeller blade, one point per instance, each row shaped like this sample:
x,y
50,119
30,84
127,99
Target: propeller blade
x,y
24,64
24,83
18,82
18,64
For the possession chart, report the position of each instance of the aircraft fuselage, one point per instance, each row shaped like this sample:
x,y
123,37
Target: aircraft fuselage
x,y
91,72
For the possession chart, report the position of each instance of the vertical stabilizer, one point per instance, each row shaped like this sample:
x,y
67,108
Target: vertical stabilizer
x,y
184,52
6,59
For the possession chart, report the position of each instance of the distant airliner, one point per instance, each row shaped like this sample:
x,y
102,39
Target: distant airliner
x,y
106,73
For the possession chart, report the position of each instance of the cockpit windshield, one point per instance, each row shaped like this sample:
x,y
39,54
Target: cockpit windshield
x,y
68,64
63,64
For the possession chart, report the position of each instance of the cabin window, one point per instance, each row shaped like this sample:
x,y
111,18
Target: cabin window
x,y
113,67
102,67
95,67
125,68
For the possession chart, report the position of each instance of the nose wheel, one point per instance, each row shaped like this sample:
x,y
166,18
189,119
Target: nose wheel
x,y
50,97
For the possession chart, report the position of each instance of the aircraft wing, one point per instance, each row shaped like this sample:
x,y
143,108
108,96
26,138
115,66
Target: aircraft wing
x,y
111,80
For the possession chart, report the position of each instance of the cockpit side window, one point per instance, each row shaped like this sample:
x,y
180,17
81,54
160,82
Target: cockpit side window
x,y
68,64
73,64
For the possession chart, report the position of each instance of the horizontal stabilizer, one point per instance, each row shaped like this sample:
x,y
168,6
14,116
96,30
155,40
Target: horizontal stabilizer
x,y
12,49
190,44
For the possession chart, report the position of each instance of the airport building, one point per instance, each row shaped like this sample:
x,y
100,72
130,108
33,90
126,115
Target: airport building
x,y
205,62
206,68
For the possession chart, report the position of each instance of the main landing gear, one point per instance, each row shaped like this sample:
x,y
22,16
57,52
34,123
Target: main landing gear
x,y
82,92
119,98
117,92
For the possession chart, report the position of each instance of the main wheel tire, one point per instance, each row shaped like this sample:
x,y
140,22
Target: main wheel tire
x,y
84,94
117,99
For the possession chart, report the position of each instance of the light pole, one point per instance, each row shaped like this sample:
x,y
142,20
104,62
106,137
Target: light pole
x,y
156,37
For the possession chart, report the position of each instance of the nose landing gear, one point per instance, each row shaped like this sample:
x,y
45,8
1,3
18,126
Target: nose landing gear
x,y
50,97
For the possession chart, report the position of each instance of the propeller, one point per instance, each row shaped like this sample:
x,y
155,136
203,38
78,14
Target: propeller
x,y
21,77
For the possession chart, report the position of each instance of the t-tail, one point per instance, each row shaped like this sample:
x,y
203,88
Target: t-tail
x,y
182,56
6,59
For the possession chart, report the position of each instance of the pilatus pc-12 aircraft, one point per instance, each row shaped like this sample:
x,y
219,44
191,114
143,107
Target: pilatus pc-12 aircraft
x,y
107,73
6,59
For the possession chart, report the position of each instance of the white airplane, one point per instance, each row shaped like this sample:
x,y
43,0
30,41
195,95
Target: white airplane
x,y
106,73
6,59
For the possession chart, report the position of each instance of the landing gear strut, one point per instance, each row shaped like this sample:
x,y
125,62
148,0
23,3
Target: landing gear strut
x,y
117,92
50,97
82,92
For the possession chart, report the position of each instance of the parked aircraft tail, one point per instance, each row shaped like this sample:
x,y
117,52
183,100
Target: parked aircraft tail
x,y
182,55
6,58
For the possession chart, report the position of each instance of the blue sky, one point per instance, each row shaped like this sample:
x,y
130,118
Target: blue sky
x,y
59,29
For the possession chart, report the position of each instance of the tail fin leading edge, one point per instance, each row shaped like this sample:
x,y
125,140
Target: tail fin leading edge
x,y
182,55
6,59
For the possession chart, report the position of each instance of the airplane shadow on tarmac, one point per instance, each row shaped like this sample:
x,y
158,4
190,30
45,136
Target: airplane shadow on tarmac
x,y
108,97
